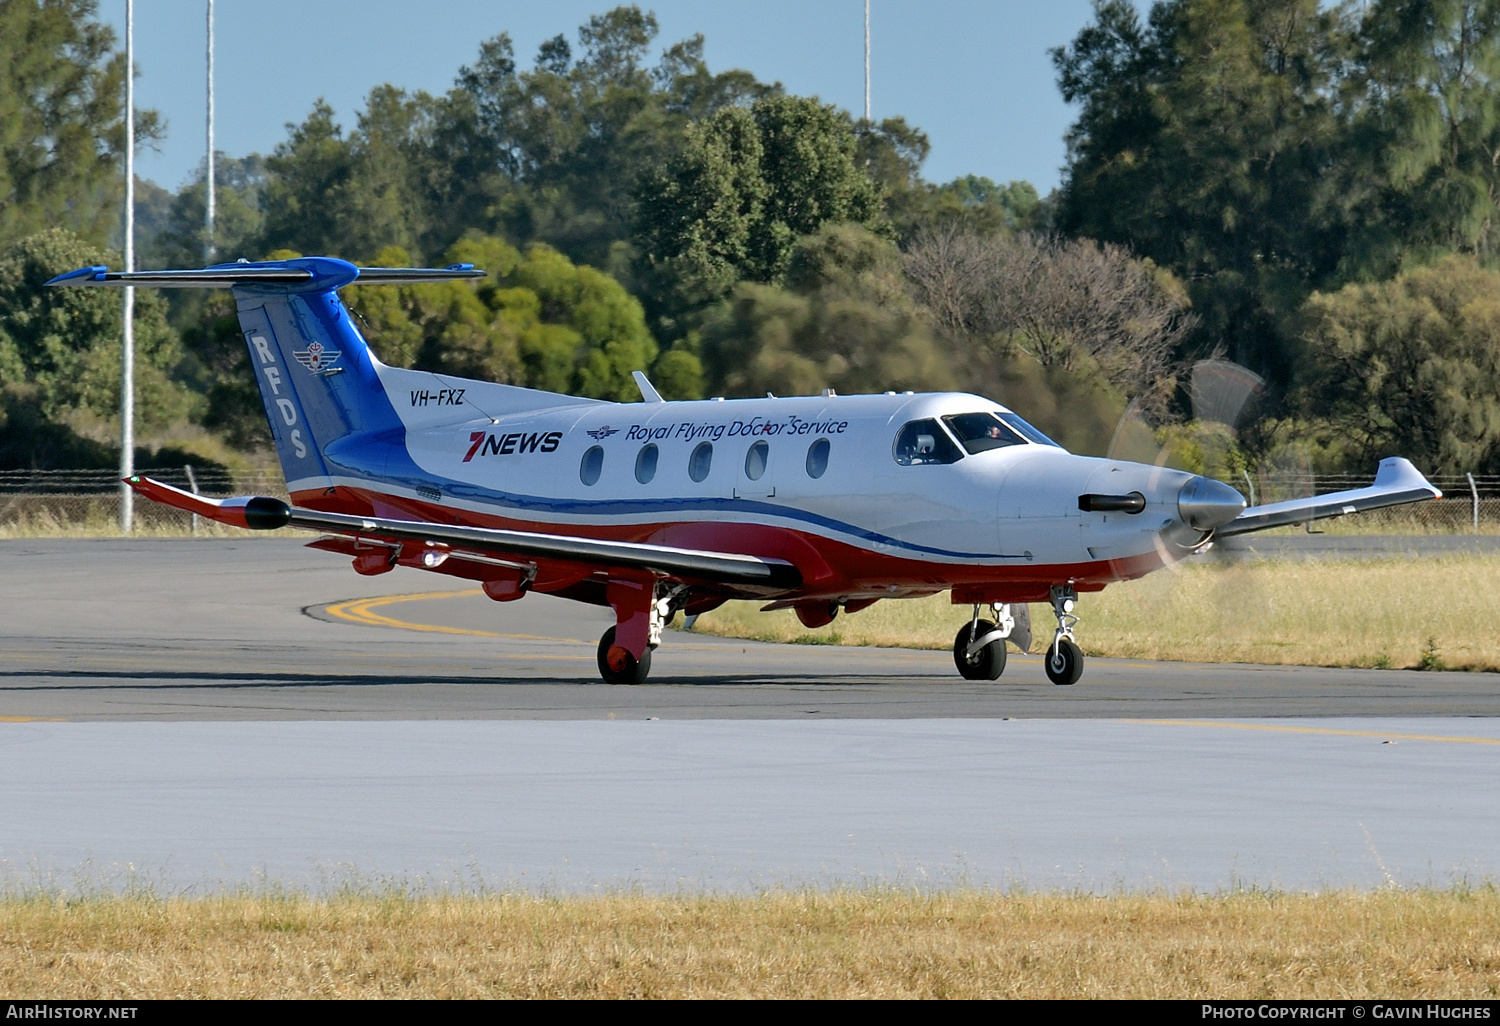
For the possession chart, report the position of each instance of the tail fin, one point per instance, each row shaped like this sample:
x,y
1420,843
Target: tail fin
x,y
327,407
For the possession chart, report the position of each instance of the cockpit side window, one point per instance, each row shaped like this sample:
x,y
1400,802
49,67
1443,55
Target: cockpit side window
x,y
980,432
1026,431
924,441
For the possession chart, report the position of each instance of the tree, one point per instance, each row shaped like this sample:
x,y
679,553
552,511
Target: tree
x,y
60,347
62,133
844,320
538,320
179,239
306,178
1064,305
571,137
1410,366
747,184
1204,142
1427,121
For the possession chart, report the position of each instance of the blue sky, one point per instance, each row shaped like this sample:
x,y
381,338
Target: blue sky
x,y
975,76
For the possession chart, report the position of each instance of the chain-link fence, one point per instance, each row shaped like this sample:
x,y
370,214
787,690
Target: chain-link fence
x,y
44,499
1470,503
70,498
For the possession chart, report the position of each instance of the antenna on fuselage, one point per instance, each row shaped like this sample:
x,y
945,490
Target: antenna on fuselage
x,y
648,393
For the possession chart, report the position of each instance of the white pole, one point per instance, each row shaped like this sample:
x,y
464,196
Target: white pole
x,y
127,346
867,60
1474,491
208,184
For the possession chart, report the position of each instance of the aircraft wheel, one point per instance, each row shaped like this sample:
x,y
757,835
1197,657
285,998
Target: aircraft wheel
x,y
988,663
618,666
1064,662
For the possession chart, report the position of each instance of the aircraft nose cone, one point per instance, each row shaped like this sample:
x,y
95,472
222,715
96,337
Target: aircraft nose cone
x,y
1205,504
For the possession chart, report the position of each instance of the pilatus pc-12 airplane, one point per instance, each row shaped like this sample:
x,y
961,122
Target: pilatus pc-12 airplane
x,y
817,503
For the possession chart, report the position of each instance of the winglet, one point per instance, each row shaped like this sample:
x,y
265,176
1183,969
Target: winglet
x,y
648,393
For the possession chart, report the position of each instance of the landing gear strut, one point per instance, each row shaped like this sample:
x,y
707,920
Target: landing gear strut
x,y
642,609
1064,659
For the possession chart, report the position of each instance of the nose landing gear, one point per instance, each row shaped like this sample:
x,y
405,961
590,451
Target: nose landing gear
x,y
1064,660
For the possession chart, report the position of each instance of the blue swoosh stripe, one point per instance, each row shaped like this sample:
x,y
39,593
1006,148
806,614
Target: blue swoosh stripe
x,y
414,475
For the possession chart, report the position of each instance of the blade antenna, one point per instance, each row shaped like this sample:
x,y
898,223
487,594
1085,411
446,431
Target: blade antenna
x,y
648,392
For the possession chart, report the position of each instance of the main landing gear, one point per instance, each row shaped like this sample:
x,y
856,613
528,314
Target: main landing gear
x,y
979,648
642,609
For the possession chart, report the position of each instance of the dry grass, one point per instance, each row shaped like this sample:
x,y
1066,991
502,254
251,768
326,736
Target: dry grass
x,y
101,520
1389,944
1421,613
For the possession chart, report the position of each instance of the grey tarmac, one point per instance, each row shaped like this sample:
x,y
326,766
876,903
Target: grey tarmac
x,y
247,629
264,718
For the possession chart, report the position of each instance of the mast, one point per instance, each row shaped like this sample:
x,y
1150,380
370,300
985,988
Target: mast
x,y
127,346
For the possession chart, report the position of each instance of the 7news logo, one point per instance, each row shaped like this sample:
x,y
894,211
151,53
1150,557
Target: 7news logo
x,y
519,443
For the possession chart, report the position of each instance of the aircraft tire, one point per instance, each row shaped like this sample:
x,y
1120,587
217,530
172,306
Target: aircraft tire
x,y
634,671
1064,662
988,664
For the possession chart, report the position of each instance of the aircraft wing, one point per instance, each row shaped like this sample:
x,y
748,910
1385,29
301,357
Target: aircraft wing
x,y
1397,482
262,513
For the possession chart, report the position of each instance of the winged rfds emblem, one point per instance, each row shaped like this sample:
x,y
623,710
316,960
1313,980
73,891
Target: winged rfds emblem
x,y
317,359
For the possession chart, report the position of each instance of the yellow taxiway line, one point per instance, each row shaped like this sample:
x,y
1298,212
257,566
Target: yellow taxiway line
x,y
1328,731
362,611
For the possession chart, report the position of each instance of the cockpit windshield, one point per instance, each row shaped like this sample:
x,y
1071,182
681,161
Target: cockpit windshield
x,y
980,432
1026,431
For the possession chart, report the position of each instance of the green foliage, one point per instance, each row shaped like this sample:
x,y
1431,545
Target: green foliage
x,y
1203,142
62,132
747,184
178,240
549,154
1202,447
1261,151
538,320
559,148
218,368
1428,124
844,321
65,342
60,359
1411,366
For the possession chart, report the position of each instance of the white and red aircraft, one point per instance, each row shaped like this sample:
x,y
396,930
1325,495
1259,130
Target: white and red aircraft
x,y
817,503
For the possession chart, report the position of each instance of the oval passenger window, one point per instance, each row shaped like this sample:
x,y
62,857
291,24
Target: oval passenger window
x,y
755,460
817,458
591,466
701,459
645,464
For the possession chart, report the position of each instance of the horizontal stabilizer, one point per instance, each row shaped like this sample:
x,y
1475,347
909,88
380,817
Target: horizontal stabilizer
x,y
319,272
262,513
1397,482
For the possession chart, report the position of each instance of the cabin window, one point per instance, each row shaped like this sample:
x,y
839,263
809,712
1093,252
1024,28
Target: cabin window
x,y
645,463
980,432
924,441
700,461
817,458
591,466
755,460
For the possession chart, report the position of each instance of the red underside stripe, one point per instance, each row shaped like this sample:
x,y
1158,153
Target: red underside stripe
x,y
828,567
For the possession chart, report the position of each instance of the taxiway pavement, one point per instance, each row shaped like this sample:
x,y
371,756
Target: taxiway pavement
x,y
246,629
252,723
